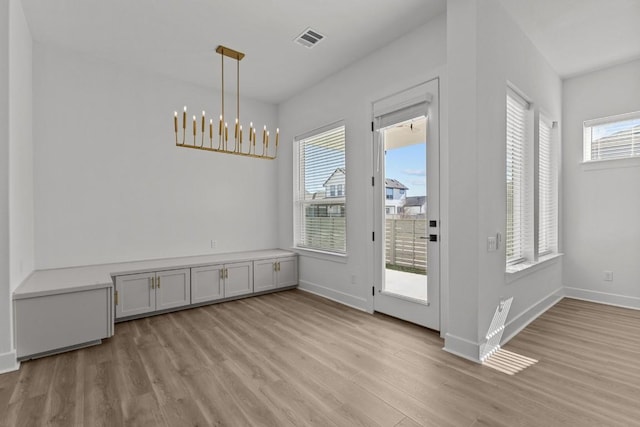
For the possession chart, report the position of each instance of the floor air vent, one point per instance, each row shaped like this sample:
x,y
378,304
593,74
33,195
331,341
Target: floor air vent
x,y
309,38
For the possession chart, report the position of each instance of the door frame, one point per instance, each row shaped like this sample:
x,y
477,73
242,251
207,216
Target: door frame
x,y
411,310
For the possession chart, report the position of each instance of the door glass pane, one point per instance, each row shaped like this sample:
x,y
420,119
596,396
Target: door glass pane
x,y
405,208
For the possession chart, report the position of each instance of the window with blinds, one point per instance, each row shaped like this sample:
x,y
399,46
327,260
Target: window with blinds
x,y
320,198
613,137
547,189
516,155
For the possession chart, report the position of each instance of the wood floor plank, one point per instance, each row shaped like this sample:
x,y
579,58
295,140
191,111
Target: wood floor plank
x,y
295,359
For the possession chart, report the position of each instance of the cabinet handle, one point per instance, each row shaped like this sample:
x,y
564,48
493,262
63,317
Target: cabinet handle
x,y
275,266
158,283
152,284
222,273
226,273
278,265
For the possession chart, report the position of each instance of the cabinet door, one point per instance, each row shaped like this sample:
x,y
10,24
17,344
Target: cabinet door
x,y
173,289
135,294
238,279
287,272
264,275
206,283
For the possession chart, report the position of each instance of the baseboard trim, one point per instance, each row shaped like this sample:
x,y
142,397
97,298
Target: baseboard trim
x,y
603,298
332,294
514,326
462,347
8,362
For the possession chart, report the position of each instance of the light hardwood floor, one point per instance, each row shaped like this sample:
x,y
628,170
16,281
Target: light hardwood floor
x,y
294,359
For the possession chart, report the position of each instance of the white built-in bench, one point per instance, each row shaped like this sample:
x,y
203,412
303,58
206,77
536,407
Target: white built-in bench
x,y
61,309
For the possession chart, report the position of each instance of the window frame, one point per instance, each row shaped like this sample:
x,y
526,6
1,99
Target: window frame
x,y
302,206
547,190
520,193
587,137
537,213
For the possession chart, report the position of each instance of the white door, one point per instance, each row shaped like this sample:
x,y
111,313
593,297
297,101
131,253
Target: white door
x,y
173,289
238,279
287,272
264,275
206,283
136,294
407,208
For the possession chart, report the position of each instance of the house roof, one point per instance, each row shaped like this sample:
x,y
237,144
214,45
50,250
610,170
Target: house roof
x,y
415,201
393,183
339,170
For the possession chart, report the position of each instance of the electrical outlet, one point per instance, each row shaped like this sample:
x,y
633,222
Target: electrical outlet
x,y
353,279
492,244
608,276
214,244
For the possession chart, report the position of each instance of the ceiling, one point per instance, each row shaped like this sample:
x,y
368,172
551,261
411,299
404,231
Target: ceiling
x,y
178,37
578,36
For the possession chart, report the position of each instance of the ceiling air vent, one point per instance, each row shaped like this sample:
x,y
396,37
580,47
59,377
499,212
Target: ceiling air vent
x,y
309,38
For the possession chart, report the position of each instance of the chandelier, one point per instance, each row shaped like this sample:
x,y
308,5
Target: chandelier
x,y
221,137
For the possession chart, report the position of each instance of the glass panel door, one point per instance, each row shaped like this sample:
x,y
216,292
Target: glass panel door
x,y
406,211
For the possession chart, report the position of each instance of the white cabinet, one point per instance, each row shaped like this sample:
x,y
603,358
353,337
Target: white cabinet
x,y
287,274
274,273
46,324
207,283
238,279
148,292
214,282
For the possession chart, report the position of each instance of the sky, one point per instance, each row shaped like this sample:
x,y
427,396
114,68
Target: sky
x,y
408,165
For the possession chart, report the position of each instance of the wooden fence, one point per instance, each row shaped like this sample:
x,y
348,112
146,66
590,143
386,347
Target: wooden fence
x,y
405,245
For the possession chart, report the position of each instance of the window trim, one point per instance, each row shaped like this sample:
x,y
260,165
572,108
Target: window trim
x,y
322,253
531,186
520,99
553,181
587,136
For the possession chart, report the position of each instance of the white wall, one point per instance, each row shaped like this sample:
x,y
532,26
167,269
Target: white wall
x,y
347,95
487,51
602,205
20,148
110,184
7,356
16,166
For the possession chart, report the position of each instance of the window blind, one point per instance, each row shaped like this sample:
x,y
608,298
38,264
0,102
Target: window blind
x,y
320,209
613,139
547,190
516,140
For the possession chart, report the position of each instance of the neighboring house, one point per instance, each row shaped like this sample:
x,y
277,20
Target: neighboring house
x,y
331,199
415,205
335,185
395,195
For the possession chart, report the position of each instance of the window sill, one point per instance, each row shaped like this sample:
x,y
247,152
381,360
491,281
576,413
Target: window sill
x,y
317,254
626,162
517,271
